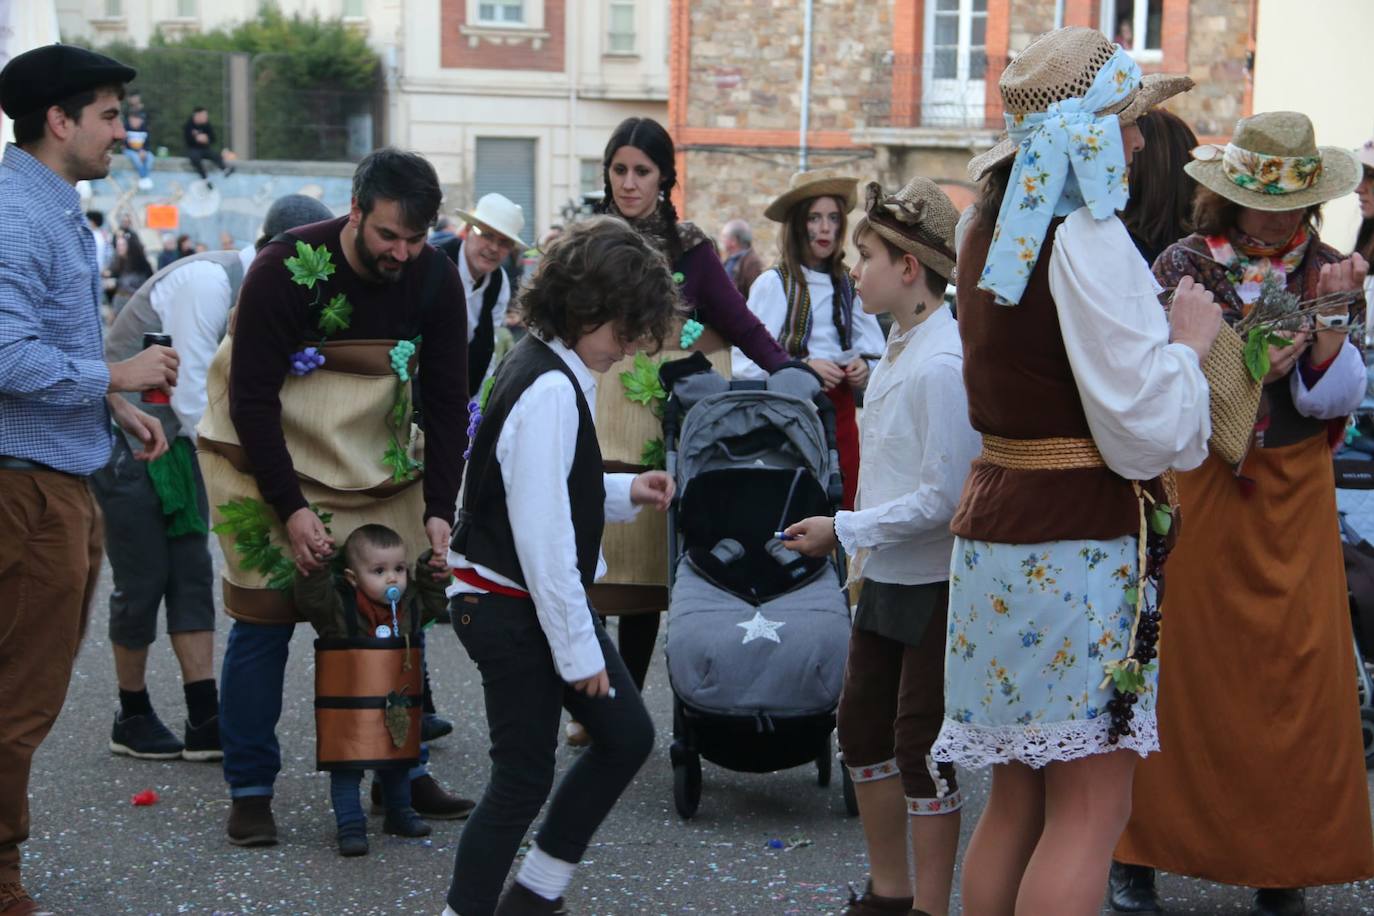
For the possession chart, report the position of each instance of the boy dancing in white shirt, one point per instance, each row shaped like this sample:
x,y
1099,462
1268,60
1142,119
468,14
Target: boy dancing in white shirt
x,y
527,546
916,446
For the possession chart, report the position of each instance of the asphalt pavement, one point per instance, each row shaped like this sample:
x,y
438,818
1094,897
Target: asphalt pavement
x,y
93,852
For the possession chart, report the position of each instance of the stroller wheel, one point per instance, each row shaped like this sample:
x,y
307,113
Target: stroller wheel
x,y
851,800
824,764
1367,732
687,785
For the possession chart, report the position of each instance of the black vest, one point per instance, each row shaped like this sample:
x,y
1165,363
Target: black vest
x,y
484,534
483,343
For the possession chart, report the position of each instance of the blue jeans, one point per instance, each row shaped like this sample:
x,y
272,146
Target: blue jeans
x,y
343,793
142,160
251,679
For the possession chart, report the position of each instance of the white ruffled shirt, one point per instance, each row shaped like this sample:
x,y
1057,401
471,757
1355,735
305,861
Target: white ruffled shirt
x,y
916,445
1146,399
535,451
768,302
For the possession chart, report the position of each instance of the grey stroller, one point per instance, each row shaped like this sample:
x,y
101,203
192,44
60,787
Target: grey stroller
x,y
757,634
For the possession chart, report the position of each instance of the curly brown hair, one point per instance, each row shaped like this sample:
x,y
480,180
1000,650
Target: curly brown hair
x,y
602,270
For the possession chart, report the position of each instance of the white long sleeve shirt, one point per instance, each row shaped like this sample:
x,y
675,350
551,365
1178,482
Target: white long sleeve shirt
x,y
193,302
475,292
916,445
1338,392
535,451
1146,399
768,302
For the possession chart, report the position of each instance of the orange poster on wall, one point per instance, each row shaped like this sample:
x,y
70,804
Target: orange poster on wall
x,y
162,217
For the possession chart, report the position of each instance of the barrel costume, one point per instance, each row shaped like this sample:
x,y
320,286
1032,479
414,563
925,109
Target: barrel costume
x,y
1241,794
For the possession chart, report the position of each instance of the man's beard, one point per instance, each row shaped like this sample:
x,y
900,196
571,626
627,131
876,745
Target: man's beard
x,y
373,264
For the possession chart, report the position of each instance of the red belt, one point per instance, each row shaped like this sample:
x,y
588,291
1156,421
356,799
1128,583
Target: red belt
x,y
470,576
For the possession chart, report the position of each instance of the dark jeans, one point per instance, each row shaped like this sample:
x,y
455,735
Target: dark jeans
x,y
250,686
525,698
344,787
638,640
198,157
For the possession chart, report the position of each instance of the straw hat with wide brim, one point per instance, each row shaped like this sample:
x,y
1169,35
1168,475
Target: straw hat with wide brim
x,y
817,183
1273,163
919,219
1061,65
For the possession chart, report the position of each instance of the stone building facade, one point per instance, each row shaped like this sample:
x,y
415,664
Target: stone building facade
x,y
899,87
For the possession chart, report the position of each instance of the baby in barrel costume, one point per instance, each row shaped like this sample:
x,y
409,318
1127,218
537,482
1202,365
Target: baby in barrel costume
x,y
368,618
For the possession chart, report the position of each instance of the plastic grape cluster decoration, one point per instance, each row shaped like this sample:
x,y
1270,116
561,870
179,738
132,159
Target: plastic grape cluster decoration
x,y
691,333
304,362
400,358
474,420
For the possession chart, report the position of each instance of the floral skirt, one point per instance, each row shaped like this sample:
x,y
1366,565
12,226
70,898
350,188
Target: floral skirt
x,y
1031,627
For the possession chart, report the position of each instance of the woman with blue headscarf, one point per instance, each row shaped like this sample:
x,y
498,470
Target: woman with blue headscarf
x,y
1085,395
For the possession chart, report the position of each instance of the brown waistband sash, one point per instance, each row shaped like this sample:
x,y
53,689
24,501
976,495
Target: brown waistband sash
x,y
1058,454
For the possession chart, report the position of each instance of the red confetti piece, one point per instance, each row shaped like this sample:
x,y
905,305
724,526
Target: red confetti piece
x,y
145,798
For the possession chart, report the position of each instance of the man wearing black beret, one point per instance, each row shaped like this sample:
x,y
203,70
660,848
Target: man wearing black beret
x,y
56,401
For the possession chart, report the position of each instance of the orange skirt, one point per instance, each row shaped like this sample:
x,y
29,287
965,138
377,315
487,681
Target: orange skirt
x,y
1260,779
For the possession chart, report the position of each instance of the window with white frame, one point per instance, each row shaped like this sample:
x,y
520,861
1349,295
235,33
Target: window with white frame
x,y
501,12
620,17
114,9
1136,25
591,181
186,9
353,9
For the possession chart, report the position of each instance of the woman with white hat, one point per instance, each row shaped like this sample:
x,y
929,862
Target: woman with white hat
x,y
1261,781
808,303
1085,394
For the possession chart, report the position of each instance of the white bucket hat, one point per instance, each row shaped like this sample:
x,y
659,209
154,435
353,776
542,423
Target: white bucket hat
x,y
499,214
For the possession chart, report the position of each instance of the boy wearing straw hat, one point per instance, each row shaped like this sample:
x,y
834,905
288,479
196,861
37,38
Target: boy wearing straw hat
x,y
917,446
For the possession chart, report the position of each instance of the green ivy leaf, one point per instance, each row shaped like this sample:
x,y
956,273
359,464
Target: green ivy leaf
x,y
485,393
1257,353
641,383
400,410
1128,680
653,455
335,316
250,523
310,265
402,466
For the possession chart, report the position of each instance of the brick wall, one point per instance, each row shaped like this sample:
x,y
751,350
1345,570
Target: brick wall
x,y
456,50
1218,40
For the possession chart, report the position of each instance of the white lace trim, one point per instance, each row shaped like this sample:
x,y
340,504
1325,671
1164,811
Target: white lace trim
x,y
976,746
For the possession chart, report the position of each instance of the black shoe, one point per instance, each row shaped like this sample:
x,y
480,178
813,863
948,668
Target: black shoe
x,y
519,900
145,737
229,171
1132,889
1279,901
405,822
251,822
353,839
433,727
429,800
202,741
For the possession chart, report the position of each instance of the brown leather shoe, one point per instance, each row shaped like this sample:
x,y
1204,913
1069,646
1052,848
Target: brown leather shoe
x,y
15,901
870,904
251,822
429,800
519,900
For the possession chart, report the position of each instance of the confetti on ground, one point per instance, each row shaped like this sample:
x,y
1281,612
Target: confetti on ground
x,y
144,798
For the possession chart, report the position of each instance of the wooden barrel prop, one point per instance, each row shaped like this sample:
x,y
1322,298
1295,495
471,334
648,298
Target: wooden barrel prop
x,y
367,703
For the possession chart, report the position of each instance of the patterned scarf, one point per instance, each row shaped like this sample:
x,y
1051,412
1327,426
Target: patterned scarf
x,y
1066,157
1249,261
796,328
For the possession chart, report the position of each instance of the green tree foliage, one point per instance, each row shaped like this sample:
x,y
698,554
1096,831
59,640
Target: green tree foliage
x,y
310,76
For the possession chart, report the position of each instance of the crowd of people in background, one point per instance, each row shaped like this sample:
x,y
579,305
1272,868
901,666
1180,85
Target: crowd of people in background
x,y
1024,434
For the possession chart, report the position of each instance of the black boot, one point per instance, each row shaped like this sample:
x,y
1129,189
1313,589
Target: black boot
x,y
1132,889
1279,901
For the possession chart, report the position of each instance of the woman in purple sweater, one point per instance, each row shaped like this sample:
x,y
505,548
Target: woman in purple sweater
x,y
640,173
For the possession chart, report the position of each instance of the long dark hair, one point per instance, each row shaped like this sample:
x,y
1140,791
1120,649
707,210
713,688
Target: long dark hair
x,y
793,245
135,260
650,138
1159,212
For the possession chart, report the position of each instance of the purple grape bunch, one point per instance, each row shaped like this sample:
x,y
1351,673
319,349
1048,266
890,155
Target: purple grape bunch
x,y
304,362
474,420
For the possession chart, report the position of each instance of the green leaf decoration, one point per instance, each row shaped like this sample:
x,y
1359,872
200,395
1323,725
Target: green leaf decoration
x,y
402,466
397,719
482,396
653,455
400,410
310,265
1128,680
335,316
249,521
641,383
1161,520
1257,354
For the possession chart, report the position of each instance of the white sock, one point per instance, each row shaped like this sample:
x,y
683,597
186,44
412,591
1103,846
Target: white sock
x,y
546,876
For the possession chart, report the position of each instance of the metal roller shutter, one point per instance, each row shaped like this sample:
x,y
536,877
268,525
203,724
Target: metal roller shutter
x,y
506,166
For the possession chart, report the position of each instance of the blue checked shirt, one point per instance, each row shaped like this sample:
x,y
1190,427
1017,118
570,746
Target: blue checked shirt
x,y
53,376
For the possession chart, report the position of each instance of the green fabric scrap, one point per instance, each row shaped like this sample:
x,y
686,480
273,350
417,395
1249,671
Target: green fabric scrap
x,y
174,479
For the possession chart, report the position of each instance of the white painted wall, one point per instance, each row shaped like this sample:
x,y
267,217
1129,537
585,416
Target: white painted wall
x,y
1314,58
